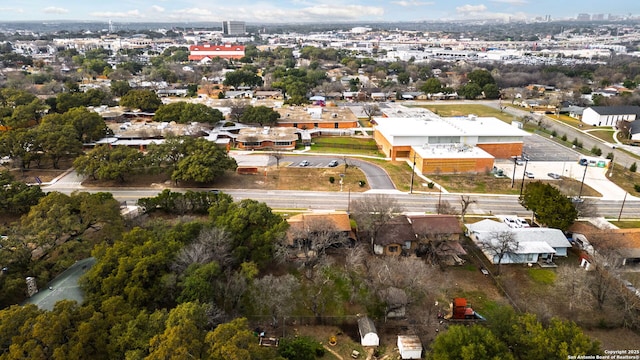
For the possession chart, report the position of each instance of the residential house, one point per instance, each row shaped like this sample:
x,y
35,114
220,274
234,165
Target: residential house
x,y
621,246
337,221
609,115
534,245
438,235
238,94
210,51
395,238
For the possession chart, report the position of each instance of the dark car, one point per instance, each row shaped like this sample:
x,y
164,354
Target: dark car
x,y
333,163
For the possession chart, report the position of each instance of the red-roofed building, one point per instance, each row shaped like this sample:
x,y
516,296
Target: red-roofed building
x,y
226,51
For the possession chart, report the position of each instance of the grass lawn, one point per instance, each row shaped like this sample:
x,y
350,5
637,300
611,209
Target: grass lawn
x,y
463,110
542,276
603,134
626,224
345,145
625,179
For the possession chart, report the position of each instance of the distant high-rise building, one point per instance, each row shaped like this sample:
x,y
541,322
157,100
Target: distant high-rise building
x,y
597,17
583,17
234,27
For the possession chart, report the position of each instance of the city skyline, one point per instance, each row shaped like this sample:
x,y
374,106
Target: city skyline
x,y
287,11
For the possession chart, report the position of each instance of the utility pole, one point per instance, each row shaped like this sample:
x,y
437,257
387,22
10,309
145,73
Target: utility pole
x,y
622,207
584,174
524,172
413,172
513,176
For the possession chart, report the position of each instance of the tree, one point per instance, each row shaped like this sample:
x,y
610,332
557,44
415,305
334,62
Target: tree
x,y
549,205
370,110
234,341
498,245
255,229
17,197
120,87
481,78
300,348
58,142
261,115
312,239
468,343
470,91
105,163
465,202
185,113
237,109
273,296
431,86
239,78
491,91
184,335
374,212
204,163
145,100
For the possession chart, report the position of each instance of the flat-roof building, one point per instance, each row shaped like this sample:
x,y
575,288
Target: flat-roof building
x,y
454,144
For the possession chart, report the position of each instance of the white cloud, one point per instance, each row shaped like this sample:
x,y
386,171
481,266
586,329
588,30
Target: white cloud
x,y
512,2
157,8
471,8
412,3
193,12
344,12
12,10
55,10
131,14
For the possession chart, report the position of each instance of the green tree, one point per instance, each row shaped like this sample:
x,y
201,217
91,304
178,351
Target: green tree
x,y
145,100
633,168
184,335
185,113
549,205
203,163
470,90
17,197
234,341
242,78
300,348
468,343
431,86
198,284
491,91
120,87
261,115
58,141
105,163
254,226
481,78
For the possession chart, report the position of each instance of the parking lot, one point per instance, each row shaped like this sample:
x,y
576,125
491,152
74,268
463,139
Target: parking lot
x,y
538,148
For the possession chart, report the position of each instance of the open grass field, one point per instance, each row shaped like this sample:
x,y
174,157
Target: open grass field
x,y
603,134
463,110
625,179
345,145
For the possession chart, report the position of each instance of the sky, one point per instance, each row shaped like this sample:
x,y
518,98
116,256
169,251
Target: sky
x,y
289,11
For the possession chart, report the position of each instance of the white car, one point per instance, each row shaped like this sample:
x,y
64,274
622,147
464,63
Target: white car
x,y
522,223
511,222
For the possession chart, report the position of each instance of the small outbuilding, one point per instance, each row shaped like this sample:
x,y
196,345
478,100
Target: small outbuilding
x,y
410,347
368,333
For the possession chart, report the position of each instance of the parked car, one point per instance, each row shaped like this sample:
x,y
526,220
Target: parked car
x,y
333,163
511,222
577,200
529,175
304,163
522,223
553,175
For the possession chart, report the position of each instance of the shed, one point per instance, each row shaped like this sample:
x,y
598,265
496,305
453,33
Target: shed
x,y
368,333
410,347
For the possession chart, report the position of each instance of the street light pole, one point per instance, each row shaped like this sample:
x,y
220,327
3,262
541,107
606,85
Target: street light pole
x,y
413,172
584,174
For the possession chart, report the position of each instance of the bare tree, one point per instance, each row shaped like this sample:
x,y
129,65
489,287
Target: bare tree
x,y
312,239
278,155
237,109
373,212
572,283
370,110
274,296
212,244
465,202
445,207
587,208
498,244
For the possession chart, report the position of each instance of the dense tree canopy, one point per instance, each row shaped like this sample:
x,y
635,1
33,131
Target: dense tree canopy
x,y
145,100
17,197
261,115
106,163
185,113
